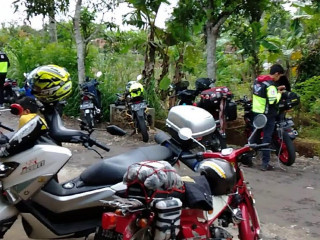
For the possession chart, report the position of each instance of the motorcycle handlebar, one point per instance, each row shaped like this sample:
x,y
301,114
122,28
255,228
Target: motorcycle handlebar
x,y
100,145
257,146
201,155
6,128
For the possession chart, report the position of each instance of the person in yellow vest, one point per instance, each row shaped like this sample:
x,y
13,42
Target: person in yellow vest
x,y
4,65
265,100
29,111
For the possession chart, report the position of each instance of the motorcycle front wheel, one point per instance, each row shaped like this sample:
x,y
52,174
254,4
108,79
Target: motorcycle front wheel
x,y
249,227
142,128
285,149
219,142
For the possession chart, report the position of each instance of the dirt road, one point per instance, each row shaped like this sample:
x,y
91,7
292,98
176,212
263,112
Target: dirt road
x,y
287,199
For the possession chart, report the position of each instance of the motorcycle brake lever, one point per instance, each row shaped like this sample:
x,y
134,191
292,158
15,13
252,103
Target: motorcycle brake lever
x,y
86,145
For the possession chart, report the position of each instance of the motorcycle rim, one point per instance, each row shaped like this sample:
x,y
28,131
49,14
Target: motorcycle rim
x,y
249,227
142,127
285,150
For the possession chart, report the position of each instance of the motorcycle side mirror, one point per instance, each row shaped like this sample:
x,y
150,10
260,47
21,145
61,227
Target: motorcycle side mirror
x,y
139,77
185,133
115,130
99,74
260,121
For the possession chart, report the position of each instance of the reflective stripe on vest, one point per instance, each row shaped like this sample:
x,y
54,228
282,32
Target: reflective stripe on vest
x,y
3,67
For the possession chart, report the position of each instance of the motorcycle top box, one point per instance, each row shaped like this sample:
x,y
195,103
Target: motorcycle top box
x,y
198,120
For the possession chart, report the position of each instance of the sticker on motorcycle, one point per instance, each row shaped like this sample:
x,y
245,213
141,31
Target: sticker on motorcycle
x,y
32,165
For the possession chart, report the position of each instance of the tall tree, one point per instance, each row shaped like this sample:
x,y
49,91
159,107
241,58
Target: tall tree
x,y
144,15
45,8
210,14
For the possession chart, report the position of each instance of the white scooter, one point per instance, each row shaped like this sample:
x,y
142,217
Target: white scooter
x,y
29,165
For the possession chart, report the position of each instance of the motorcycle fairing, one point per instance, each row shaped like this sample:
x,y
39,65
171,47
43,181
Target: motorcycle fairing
x,y
37,162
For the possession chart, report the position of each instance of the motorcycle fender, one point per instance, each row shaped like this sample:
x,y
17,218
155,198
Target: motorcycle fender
x,y
140,112
292,133
7,211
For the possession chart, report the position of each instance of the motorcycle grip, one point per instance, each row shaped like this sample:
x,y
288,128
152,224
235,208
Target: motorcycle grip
x,y
188,156
99,145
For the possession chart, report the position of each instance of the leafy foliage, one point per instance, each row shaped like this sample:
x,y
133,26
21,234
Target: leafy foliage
x,y
42,7
309,91
309,65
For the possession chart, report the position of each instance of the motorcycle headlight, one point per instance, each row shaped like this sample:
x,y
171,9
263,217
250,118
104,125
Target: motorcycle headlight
x,y
7,168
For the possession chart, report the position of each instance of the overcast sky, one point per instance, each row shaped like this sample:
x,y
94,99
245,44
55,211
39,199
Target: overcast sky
x,y
7,14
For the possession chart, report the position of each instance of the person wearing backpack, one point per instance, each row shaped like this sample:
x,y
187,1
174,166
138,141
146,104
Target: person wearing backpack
x,y
4,65
265,100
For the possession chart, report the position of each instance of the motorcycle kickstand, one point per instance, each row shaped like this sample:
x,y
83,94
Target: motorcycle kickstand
x,y
279,164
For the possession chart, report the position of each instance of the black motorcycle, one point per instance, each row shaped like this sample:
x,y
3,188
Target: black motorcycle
x,y
284,132
90,106
11,91
136,109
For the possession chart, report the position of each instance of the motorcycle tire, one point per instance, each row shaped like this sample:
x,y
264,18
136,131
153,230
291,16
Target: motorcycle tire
x,y
10,96
221,142
285,149
142,128
89,119
249,227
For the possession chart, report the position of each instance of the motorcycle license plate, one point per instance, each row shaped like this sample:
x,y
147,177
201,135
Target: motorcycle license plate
x,y
137,106
86,105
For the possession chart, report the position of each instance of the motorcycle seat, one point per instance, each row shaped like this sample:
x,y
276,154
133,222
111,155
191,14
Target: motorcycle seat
x,y
111,170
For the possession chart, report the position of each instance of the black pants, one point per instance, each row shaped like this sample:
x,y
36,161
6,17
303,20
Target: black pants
x,y
2,80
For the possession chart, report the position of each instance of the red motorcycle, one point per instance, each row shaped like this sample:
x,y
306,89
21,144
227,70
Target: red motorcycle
x,y
219,194
216,100
284,132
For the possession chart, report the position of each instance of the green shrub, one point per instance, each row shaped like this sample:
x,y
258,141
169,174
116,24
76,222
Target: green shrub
x,y
309,92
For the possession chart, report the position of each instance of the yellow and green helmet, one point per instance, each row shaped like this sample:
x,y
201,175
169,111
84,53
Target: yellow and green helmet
x,y
50,83
136,90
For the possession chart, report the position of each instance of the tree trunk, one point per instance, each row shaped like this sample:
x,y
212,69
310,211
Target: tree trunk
x,y
212,31
178,75
149,61
79,42
52,25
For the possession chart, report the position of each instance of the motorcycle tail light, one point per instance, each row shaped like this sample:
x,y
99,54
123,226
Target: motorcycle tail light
x,y
85,98
14,83
7,168
109,220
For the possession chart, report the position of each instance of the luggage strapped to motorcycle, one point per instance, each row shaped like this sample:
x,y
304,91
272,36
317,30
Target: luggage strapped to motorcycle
x,y
153,178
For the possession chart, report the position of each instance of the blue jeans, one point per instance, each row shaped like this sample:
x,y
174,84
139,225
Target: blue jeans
x,y
267,138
